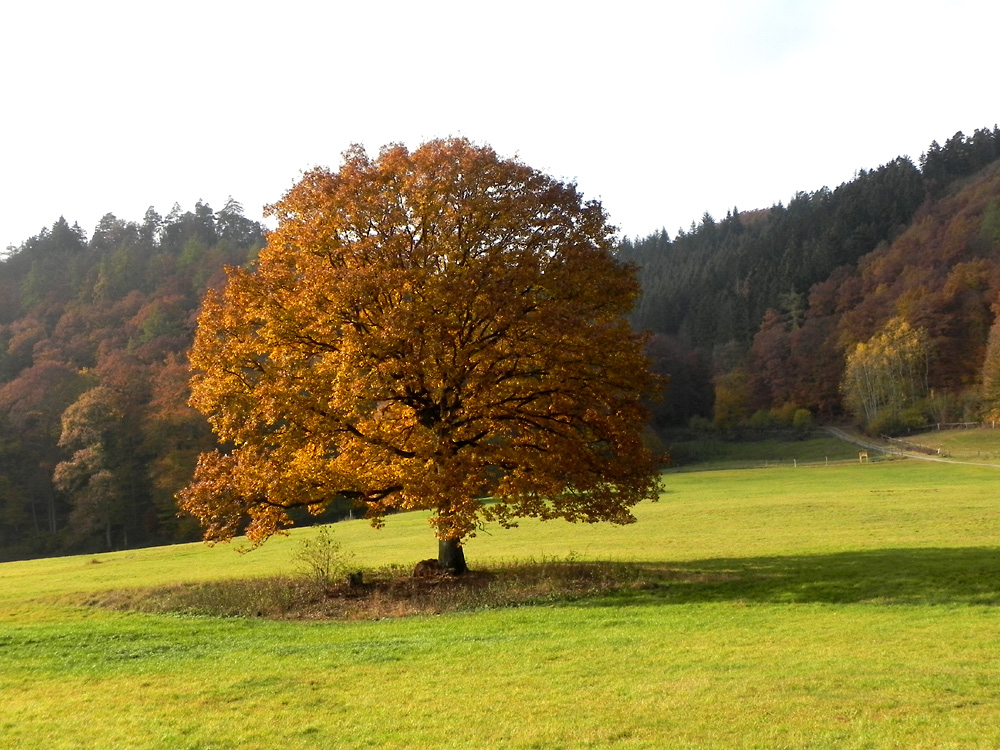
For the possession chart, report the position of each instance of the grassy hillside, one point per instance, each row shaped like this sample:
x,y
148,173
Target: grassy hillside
x,y
846,606
978,445
690,451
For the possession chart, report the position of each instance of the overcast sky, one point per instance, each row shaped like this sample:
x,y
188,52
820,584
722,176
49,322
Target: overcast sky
x,y
662,110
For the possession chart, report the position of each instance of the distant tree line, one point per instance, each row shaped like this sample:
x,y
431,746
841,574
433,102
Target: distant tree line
x,y
95,433
771,302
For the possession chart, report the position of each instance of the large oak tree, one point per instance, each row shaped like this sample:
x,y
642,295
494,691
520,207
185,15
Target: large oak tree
x,y
425,330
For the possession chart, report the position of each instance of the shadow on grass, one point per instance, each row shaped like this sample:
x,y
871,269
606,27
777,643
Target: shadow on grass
x,y
954,576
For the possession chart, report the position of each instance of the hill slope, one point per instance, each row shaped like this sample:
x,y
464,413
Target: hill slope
x,y
782,295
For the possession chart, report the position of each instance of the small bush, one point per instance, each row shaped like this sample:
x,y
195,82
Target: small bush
x,y
322,560
701,425
802,421
762,420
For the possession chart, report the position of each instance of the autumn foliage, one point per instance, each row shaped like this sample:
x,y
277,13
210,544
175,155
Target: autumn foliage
x,y
753,320
887,374
424,330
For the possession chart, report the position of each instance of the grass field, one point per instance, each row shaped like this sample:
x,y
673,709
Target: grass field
x,y
707,453
979,444
841,606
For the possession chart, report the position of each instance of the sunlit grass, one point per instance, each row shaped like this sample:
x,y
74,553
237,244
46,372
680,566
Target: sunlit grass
x,y
826,607
775,511
710,675
978,444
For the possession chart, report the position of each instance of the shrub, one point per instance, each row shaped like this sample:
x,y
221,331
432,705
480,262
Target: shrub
x,y
322,560
762,420
896,424
802,421
701,425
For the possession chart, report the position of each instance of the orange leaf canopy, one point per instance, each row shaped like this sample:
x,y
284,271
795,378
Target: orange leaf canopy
x,y
424,330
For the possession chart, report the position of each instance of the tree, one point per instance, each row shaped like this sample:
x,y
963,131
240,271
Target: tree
x,y
887,375
732,400
770,380
88,476
31,406
990,389
232,225
422,331
689,376
174,434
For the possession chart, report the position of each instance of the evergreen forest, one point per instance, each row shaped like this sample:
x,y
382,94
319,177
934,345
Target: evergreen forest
x,y
875,301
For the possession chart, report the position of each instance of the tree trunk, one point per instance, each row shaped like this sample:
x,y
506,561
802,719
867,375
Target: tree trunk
x,y
451,556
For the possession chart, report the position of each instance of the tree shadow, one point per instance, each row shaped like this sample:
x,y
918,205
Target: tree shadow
x,y
967,576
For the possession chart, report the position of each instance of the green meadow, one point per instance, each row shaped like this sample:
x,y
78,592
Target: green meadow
x,y
980,444
820,606
705,453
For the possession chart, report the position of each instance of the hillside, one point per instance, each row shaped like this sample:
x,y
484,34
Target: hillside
x,y
95,433
761,309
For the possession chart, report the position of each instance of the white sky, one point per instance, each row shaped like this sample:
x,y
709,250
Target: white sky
x,y
662,110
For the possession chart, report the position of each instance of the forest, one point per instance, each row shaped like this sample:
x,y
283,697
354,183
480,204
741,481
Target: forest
x,y
95,432
758,316
875,301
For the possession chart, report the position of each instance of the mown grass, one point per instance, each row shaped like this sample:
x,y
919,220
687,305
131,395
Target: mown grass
x,y
825,607
710,675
